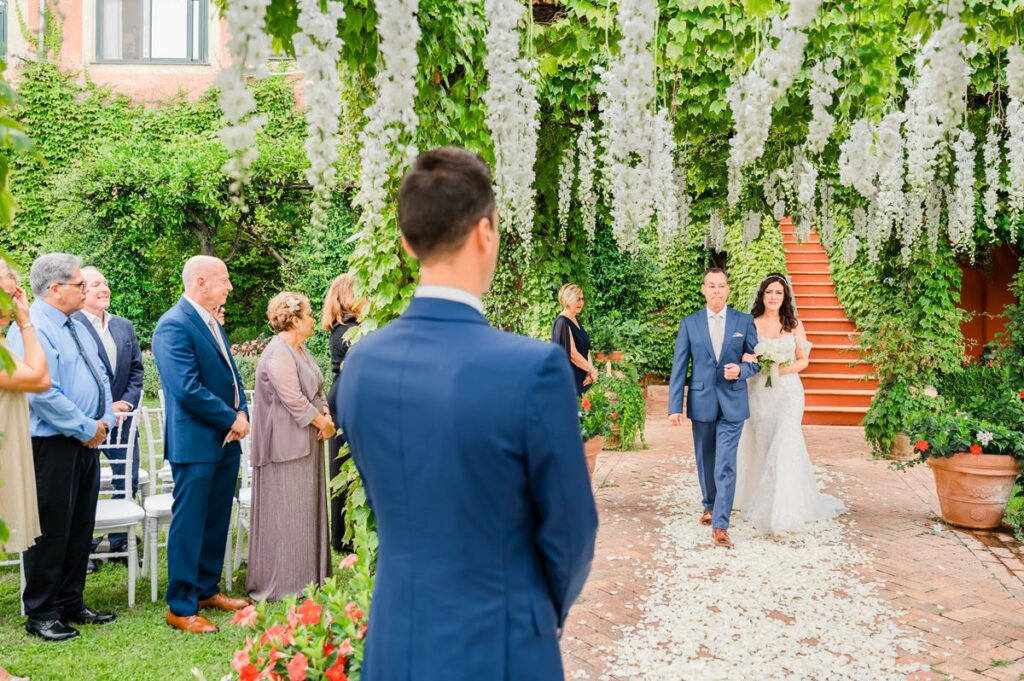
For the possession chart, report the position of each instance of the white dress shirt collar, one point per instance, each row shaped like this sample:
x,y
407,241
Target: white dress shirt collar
x,y
712,314
203,312
457,295
101,323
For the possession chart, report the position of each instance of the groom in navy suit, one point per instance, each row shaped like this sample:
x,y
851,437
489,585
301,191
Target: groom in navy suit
x,y
715,338
121,357
467,439
206,416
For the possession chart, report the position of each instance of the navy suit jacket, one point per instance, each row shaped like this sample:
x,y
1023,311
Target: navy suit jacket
x,y
199,394
468,442
712,396
126,377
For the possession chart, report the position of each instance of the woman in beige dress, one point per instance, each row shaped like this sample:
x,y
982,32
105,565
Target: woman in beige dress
x,y
18,507
288,544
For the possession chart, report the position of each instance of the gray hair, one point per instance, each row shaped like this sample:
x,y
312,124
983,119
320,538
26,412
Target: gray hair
x,y
50,269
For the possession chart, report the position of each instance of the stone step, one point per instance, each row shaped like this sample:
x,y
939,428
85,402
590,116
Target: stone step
x,y
818,380
816,257
833,416
838,324
802,278
839,366
805,247
791,240
818,298
837,337
839,398
809,312
797,268
850,353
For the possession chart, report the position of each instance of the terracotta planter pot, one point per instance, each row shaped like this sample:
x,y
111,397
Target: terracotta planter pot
x,y
973,490
591,448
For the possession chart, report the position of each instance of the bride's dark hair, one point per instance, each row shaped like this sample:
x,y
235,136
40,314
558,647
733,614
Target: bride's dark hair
x,y
787,313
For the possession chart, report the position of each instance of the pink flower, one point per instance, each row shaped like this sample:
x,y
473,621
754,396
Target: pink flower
x,y
336,672
349,561
277,634
246,617
249,673
353,612
241,659
298,667
346,648
309,612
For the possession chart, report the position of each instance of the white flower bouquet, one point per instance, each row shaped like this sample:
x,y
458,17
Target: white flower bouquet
x,y
769,356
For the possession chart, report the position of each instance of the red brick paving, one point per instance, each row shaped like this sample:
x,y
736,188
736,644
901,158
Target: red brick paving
x,y
961,593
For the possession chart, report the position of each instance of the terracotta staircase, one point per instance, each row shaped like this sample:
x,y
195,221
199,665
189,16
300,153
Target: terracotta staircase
x,y
838,384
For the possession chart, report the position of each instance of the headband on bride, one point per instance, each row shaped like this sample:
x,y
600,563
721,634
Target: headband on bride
x,y
775,276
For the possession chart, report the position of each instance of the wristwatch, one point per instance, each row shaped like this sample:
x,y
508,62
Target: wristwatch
x,y
26,325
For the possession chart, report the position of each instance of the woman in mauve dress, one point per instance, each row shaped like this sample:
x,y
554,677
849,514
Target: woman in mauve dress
x,y
288,544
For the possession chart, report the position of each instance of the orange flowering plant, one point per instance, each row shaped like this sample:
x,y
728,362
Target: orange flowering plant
x,y
320,637
595,413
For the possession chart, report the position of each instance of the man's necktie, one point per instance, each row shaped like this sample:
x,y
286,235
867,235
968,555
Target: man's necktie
x,y
717,334
215,330
92,370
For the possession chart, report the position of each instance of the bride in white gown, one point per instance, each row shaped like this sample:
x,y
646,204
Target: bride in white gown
x,y
775,485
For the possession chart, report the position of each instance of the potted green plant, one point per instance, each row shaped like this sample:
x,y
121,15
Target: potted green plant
x,y
595,423
974,443
628,405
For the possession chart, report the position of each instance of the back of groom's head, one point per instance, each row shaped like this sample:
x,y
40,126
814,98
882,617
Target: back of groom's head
x,y
447,191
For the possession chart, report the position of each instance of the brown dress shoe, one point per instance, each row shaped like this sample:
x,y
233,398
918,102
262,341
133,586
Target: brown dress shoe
x,y
222,602
195,624
721,537
705,517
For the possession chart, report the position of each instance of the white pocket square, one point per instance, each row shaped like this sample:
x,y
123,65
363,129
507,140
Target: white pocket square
x,y
737,335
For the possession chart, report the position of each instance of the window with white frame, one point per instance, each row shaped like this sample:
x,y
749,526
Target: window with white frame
x,y
151,30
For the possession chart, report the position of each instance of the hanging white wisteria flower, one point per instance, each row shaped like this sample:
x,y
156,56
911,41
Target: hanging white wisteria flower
x,y
753,95
961,197
860,222
992,154
805,179
512,109
716,232
586,188
937,98
1015,133
751,227
317,50
387,141
859,159
913,219
663,176
774,195
887,204
566,176
826,226
823,84
627,89
851,245
249,48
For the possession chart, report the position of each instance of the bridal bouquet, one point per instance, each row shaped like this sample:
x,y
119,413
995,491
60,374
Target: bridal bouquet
x,y
769,356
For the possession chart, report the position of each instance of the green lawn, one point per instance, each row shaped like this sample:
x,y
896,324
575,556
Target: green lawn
x,y
138,646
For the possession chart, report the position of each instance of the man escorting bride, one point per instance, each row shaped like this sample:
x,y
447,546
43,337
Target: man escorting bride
x,y
776,490
770,477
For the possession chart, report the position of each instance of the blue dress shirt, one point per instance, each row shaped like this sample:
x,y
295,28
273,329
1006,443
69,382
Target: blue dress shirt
x,y
69,406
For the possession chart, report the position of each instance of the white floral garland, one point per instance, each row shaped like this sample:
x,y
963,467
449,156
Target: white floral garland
x,y
933,216
859,159
317,49
663,171
586,189
716,232
937,98
566,177
387,140
1015,133
753,95
993,160
751,227
823,84
627,93
512,109
888,204
250,51
961,197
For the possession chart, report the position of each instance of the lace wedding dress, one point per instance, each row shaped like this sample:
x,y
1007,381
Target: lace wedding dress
x,y
775,485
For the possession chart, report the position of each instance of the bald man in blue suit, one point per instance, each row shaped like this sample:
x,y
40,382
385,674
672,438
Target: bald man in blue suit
x,y
468,442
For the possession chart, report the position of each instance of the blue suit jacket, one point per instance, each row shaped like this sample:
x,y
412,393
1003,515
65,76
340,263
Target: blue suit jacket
x,y
126,377
199,395
711,396
468,442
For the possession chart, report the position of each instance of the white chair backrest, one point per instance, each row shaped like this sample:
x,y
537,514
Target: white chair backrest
x,y
153,439
123,446
160,396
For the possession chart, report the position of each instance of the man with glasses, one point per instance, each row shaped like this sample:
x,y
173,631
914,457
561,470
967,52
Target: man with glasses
x,y
68,422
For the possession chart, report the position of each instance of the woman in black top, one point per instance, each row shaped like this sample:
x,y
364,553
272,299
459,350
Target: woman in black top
x,y
570,334
340,313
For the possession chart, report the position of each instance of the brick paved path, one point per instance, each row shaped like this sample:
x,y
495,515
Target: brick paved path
x,y
961,594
